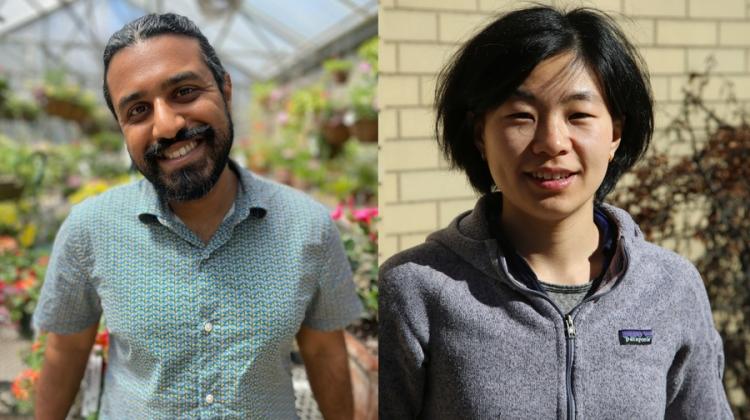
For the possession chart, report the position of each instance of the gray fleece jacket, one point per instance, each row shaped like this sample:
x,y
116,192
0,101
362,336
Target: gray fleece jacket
x,y
460,338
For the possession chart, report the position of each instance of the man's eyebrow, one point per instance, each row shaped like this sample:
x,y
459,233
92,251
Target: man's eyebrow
x,y
171,81
125,100
179,78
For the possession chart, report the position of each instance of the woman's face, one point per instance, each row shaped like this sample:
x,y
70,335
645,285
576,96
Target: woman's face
x,y
549,144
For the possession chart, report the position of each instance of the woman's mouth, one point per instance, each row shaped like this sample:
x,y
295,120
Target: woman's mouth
x,y
552,180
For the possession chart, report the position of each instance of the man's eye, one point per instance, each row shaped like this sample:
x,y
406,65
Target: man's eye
x,y
137,111
580,115
184,91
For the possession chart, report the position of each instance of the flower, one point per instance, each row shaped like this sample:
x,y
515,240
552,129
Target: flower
x,y
8,244
282,118
43,260
27,235
26,282
19,392
102,339
365,214
8,214
364,67
23,383
337,212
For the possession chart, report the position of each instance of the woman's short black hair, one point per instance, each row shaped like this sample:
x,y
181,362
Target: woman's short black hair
x,y
491,66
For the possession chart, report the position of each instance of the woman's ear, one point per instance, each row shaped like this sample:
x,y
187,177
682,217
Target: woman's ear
x,y
617,125
478,134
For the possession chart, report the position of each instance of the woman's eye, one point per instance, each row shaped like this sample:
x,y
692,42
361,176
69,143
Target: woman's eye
x,y
521,116
580,115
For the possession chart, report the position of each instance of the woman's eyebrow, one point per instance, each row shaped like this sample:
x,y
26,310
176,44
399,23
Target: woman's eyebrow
x,y
581,95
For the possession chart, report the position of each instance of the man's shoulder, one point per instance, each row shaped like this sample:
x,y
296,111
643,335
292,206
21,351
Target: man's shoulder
x,y
285,201
112,203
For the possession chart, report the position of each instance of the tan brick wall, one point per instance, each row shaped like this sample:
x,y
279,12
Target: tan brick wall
x,y
417,192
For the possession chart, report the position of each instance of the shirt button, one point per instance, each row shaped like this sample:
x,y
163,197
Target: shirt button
x,y
208,327
209,399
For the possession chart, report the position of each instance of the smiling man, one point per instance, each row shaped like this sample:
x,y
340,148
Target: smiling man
x,y
204,272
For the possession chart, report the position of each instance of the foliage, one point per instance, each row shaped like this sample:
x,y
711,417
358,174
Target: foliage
x,y
20,109
368,52
23,388
108,141
21,274
20,161
352,173
359,235
697,203
335,65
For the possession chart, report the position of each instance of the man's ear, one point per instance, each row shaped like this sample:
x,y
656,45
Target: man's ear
x,y
227,89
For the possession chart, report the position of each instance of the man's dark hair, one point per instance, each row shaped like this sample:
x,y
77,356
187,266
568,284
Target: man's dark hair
x,y
153,25
490,67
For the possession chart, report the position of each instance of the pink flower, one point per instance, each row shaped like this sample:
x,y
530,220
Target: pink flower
x,y
337,212
282,118
364,67
365,214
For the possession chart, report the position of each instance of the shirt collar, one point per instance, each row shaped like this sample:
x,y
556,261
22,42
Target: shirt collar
x,y
253,198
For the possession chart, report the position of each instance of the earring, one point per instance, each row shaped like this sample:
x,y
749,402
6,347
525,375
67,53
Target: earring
x,y
494,188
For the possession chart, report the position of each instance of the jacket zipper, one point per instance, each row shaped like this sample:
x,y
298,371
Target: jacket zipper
x,y
570,335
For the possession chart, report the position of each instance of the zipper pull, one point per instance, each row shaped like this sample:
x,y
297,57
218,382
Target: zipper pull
x,y
570,328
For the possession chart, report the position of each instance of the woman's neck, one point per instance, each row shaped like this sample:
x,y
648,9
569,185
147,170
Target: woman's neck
x,y
565,251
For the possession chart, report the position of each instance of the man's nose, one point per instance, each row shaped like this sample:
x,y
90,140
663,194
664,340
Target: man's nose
x,y
551,137
167,122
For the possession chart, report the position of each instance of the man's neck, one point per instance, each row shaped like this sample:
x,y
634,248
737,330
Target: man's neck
x,y
565,252
204,215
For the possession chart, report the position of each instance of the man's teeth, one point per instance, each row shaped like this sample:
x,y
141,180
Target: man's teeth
x,y
182,151
547,175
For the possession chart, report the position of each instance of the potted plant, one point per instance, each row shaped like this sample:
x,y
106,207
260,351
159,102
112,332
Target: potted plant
x,y
20,109
365,126
262,93
66,100
338,69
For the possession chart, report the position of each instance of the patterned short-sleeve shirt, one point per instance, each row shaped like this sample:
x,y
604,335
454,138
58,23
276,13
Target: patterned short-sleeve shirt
x,y
198,330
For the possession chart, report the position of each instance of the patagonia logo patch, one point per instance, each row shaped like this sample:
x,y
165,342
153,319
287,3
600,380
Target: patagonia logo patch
x,y
636,337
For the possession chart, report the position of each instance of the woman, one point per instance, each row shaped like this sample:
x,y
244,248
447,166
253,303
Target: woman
x,y
544,302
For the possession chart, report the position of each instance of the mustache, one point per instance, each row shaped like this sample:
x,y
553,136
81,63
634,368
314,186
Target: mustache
x,y
155,150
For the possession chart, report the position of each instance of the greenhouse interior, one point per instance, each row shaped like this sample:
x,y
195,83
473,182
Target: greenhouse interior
x,y
304,77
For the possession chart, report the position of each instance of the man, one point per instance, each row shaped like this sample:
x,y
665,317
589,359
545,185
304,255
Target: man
x,y
204,272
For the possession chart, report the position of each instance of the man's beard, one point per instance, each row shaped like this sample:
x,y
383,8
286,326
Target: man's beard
x,y
196,179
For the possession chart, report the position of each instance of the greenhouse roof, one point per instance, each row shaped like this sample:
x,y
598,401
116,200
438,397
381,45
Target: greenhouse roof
x,y
256,39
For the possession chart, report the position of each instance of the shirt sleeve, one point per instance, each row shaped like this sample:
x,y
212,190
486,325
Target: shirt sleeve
x,y
68,302
695,388
335,303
